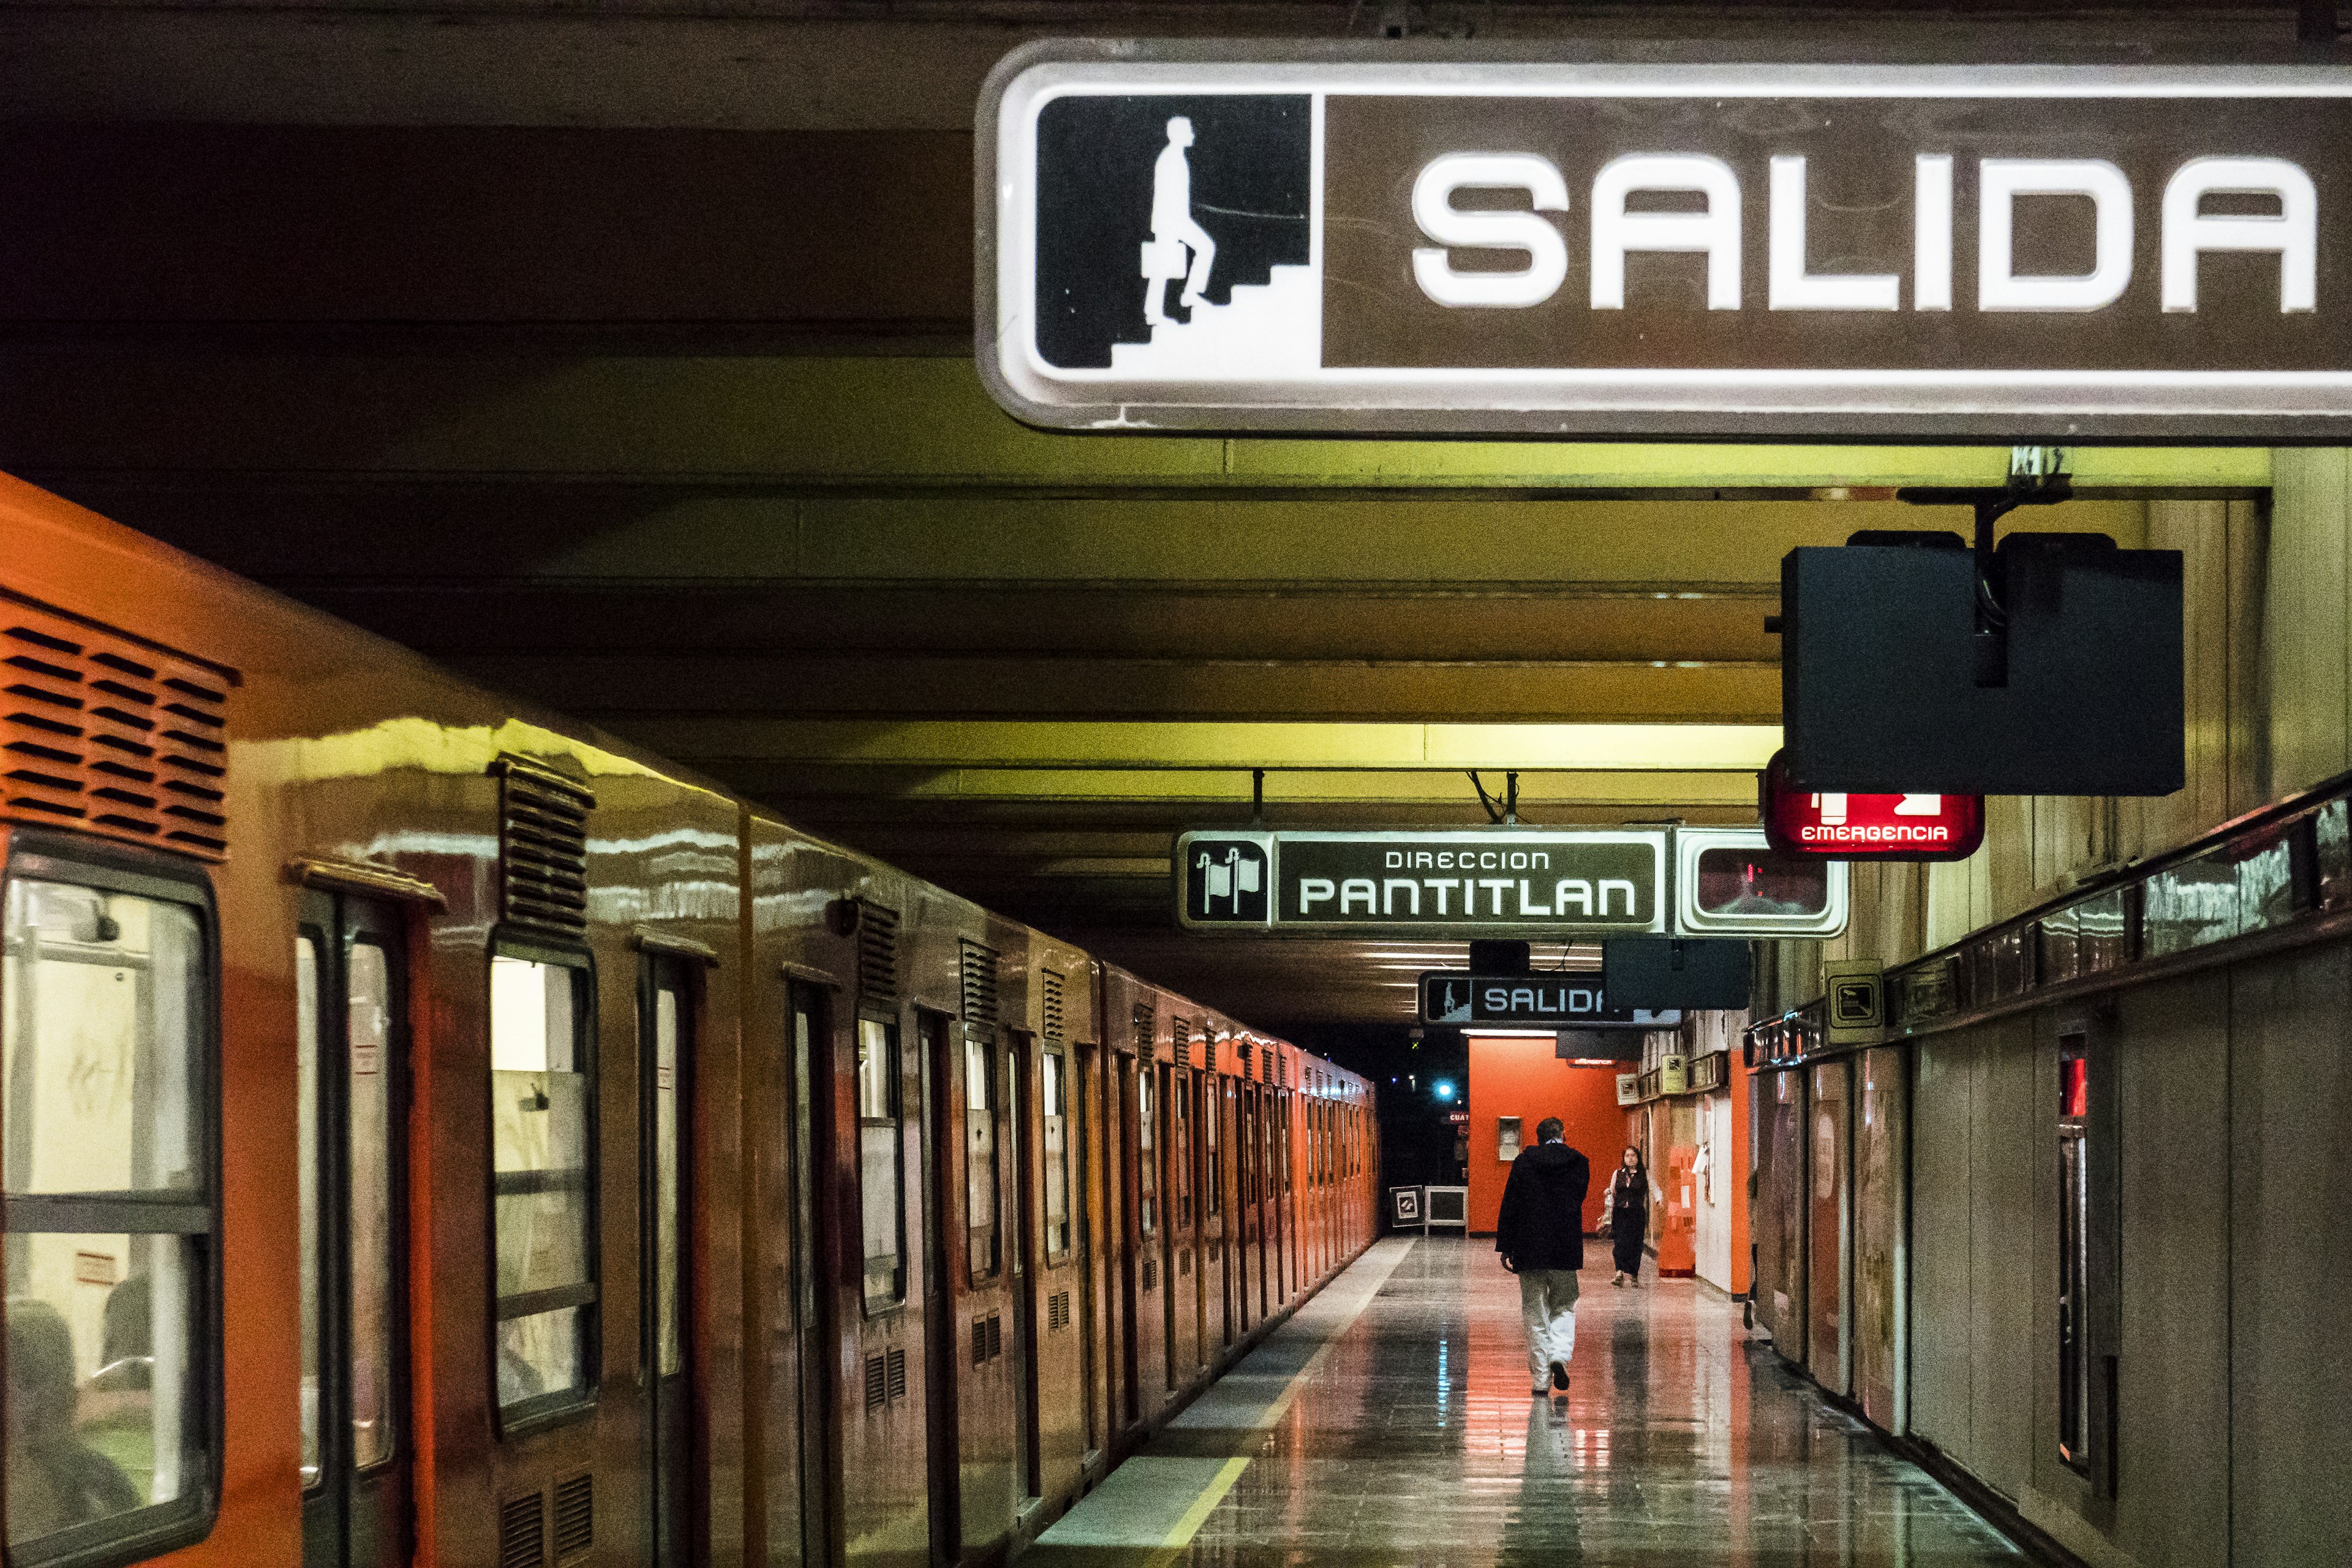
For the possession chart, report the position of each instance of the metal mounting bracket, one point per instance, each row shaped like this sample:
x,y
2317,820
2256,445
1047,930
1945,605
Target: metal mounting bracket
x,y
2037,476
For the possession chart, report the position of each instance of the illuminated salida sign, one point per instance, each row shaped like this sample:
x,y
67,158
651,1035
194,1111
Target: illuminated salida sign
x,y
1849,826
1549,1001
1279,237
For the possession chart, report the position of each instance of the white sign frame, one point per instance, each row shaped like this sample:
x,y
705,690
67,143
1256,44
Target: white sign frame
x,y
1809,403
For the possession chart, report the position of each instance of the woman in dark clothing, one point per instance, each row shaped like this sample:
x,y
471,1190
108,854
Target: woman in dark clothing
x,y
1629,1216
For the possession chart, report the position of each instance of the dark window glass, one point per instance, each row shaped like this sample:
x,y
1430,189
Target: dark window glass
x,y
1733,881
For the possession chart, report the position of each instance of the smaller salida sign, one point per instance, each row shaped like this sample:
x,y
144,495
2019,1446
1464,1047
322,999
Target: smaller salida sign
x,y
1562,1001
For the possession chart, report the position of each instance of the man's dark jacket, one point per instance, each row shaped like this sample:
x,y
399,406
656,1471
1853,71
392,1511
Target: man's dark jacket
x,y
1542,1225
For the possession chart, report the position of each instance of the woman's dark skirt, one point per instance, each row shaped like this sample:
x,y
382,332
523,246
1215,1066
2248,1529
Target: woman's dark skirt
x,y
1626,1228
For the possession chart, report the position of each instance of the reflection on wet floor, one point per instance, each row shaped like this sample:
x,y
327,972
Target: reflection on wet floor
x,y
1391,1423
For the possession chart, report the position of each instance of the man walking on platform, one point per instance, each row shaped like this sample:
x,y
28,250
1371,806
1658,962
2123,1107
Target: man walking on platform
x,y
1540,1235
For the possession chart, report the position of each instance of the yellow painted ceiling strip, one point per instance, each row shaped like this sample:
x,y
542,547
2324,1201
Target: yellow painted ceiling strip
x,y
1645,789
1143,745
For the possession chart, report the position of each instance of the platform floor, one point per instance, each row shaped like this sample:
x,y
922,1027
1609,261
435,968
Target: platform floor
x,y
1390,1422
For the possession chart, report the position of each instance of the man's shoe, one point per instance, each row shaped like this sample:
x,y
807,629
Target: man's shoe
x,y
1540,1390
1560,1375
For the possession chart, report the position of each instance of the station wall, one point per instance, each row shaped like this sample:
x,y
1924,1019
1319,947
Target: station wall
x,y
2233,1298
1524,1078
2267,588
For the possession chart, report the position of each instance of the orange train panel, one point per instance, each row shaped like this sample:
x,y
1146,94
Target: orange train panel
x,y
880,1215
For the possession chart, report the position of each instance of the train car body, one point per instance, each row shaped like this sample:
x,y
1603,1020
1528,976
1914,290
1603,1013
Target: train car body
x,y
438,1133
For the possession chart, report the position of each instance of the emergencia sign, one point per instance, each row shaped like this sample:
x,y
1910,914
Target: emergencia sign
x,y
1345,238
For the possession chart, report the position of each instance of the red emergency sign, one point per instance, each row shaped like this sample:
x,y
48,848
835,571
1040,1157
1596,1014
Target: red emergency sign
x,y
1868,826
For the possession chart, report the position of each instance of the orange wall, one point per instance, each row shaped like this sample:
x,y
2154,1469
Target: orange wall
x,y
1525,1079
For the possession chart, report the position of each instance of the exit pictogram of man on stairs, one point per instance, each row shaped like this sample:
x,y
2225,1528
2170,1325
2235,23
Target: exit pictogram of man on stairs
x,y
1174,230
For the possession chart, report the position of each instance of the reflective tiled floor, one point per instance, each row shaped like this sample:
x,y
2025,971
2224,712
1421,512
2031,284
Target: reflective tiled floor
x,y
1391,1423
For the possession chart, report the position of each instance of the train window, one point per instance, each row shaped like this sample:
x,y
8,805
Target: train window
x,y
878,1159
1057,1155
1211,1120
368,1003
669,1352
305,1120
980,1158
1180,1163
543,1184
110,1214
1247,1148
1286,1142
1147,1150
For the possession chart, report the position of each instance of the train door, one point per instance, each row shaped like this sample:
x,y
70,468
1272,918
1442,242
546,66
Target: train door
x,y
665,1064
1285,1214
1118,1235
1217,1330
1184,1309
1830,1226
1023,1058
1261,1107
1125,1122
1087,1062
351,1074
1154,1289
942,1439
800,1507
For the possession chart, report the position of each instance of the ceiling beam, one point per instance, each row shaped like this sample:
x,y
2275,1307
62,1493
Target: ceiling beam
x,y
1145,746
621,689
778,422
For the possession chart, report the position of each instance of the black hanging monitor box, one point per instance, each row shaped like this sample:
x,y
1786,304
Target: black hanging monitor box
x,y
2064,677
1674,972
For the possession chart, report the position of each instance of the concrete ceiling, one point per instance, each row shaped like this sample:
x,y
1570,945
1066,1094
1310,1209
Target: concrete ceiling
x,y
623,373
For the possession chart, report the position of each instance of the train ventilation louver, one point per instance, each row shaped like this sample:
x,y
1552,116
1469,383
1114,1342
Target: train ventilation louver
x,y
897,1374
1182,1039
878,1382
877,953
542,847
575,1516
522,1533
1052,984
1151,1273
995,1335
979,979
106,733
1144,1024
